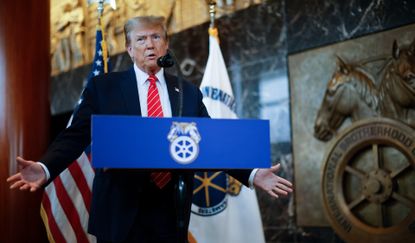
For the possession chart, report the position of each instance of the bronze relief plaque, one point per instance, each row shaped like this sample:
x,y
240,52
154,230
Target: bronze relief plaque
x,y
353,126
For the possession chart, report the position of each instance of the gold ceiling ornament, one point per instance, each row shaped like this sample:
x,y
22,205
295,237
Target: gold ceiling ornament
x,y
73,24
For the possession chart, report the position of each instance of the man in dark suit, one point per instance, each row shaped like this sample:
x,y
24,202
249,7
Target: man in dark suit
x,y
130,205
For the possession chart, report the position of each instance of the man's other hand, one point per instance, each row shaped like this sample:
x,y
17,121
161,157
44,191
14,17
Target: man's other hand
x,y
31,176
267,180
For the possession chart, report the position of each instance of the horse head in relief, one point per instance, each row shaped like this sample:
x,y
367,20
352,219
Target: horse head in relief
x,y
397,88
184,129
351,92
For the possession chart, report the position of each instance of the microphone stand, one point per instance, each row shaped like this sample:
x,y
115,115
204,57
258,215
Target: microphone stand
x,y
181,191
181,188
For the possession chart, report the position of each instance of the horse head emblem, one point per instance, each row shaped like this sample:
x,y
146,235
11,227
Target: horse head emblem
x,y
404,62
397,88
350,92
184,139
353,92
184,129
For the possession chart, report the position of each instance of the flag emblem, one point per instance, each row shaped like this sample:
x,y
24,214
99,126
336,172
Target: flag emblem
x,y
210,193
184,142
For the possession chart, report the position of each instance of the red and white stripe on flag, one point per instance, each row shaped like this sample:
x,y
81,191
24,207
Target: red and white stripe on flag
x,y
65,203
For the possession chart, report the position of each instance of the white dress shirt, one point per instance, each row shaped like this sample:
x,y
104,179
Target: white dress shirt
x,y
143,85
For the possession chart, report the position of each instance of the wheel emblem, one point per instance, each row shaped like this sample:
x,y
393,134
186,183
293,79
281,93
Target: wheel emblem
x,y
184,142
184,150
368,180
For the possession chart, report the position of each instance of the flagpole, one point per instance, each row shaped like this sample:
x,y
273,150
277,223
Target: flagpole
x,y
103,43
213,31
212,13
100,9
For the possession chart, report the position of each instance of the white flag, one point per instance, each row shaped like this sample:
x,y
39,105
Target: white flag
x,y
223,210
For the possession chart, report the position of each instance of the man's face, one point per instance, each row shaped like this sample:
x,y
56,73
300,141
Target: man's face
x,y
146,45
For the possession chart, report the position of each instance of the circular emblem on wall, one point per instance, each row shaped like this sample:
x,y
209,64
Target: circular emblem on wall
x,y
368,182
209,193
184,142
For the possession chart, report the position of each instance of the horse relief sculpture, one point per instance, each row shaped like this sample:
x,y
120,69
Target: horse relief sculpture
x,y
397,89
351,92
368,173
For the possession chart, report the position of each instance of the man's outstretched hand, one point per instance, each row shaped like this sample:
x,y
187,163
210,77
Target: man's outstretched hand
x,y
31,176
267,180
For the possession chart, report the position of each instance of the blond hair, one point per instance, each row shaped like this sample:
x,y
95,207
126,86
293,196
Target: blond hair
x,y
143,21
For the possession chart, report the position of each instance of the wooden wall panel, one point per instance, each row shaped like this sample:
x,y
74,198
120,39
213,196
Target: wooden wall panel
x,y
24,110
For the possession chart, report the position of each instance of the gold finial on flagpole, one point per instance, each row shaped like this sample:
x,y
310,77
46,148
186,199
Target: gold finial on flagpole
x,y
100,9
212,12
213,31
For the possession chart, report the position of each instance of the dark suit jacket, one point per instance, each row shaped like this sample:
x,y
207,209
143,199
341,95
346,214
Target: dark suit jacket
x,y
119,196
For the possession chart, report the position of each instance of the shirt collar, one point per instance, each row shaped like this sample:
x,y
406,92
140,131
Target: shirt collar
x,y
142,76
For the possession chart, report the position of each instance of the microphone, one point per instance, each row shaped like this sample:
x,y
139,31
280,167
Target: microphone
x,y
168,61
165,61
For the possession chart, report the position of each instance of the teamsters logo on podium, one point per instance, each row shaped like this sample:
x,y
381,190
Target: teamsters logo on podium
x,y
184,142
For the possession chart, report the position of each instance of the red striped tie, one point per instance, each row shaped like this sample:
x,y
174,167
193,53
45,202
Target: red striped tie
x,y
154,109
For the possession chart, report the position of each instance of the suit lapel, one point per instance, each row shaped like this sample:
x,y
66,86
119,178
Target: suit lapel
x,y
130,92
173,89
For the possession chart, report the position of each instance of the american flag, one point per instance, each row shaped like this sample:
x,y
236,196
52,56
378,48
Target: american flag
x,y
65,203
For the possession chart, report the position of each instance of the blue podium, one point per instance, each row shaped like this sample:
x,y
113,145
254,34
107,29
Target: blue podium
x,y
179,143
